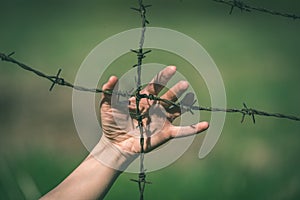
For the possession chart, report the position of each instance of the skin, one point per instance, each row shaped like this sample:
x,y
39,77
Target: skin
x,y
93,179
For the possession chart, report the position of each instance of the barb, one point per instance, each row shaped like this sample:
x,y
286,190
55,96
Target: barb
x,y
56,80
141,54
248,8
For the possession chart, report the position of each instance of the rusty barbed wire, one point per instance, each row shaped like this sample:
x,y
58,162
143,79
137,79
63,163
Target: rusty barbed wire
x,y
188,106
57,80
248,8
141,54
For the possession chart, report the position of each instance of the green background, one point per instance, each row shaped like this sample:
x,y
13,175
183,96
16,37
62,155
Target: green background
x,y
257,55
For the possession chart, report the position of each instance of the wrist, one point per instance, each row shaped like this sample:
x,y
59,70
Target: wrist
x,y
111,156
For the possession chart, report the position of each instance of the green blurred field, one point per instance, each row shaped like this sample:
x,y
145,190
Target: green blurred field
x,y
257,54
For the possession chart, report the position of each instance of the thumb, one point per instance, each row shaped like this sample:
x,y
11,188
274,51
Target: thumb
x,y
110,85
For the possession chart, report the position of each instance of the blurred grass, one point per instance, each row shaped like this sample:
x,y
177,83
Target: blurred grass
x,y
257,54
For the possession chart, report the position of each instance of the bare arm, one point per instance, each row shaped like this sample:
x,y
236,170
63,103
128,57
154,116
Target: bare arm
x,y
120,144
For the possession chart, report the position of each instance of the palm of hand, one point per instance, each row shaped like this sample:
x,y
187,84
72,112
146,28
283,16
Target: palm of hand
x,y
120,125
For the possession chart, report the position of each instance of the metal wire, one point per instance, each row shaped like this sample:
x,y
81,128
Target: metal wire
x,y
141,54
248,8
57,80
245,111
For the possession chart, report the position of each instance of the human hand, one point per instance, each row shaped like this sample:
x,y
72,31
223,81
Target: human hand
x,y
120,126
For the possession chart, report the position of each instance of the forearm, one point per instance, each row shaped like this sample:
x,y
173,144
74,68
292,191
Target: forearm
x,y
90,180
93,178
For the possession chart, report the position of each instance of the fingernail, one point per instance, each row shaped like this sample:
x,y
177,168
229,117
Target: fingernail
x,y
173,68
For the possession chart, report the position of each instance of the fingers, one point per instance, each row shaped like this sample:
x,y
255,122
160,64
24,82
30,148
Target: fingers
x,y
160,80
184,131
175,92
109,85
176,132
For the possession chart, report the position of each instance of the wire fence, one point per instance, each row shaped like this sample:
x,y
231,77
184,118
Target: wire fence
x,y
186,104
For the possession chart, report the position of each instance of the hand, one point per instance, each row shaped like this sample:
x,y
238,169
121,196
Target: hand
x,y
119,123
121,137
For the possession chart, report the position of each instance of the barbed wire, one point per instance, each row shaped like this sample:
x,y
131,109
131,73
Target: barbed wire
x,y
141,54
187,105
57,80
248,8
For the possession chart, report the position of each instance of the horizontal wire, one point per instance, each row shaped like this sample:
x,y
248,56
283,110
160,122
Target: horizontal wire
x,y
248,8
245,111
57,80
62,82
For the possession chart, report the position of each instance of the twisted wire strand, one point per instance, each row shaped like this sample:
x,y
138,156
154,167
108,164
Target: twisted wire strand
x,y
141,54
245,111
248,8
57,80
